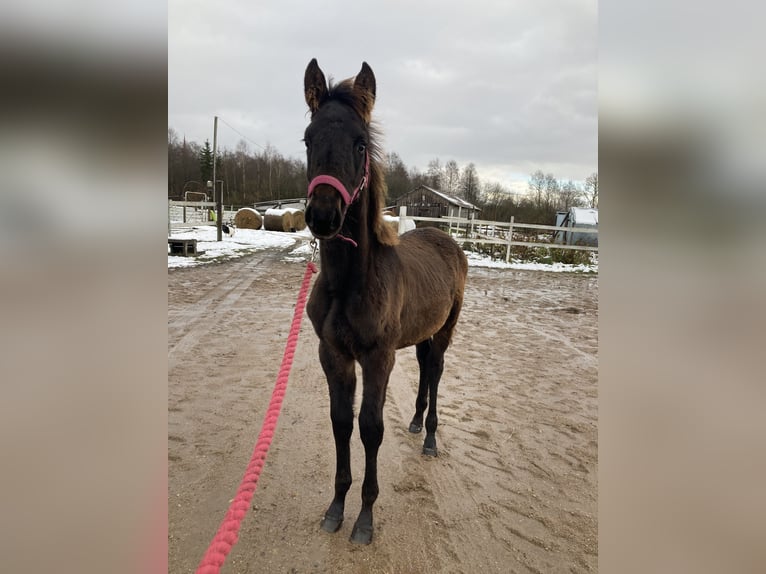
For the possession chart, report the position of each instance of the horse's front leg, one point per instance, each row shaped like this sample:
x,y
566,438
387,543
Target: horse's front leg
x,y
376,369
341,381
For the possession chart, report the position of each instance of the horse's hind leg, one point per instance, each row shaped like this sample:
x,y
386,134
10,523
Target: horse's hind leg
x,y
341,380
422,350
430,355
433,366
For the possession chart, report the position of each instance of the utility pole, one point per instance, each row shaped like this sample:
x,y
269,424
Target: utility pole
x,y
219,205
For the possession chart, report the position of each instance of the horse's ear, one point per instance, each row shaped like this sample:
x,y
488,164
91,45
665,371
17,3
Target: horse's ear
x,y
314,85
364,88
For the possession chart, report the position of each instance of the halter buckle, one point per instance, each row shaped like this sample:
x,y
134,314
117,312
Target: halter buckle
x,y
313,244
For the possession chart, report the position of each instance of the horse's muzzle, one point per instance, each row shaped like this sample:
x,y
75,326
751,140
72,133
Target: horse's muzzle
x,y
324,213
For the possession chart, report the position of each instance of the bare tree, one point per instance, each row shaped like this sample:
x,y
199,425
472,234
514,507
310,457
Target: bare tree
x,y
270,154
498,202
242,153
552,190
591,190
568,195
451,181
537,188
397,178
469,184
435,173
417,178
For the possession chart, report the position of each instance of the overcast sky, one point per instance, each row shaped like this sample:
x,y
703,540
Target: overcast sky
x,y
510,85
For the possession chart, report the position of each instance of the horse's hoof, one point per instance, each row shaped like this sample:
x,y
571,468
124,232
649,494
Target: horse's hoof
x,y
429,451
415,428
361,535
331,523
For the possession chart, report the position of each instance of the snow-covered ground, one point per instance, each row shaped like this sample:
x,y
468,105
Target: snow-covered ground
x,y
243,241
478,260
246,241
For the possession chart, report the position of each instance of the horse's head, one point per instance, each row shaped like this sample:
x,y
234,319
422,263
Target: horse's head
x,y
337,141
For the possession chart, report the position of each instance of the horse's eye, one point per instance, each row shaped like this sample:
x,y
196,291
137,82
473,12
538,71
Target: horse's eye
x,y
361,147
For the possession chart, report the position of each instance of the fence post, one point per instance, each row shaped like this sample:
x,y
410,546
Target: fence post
x,y
510,238
402,217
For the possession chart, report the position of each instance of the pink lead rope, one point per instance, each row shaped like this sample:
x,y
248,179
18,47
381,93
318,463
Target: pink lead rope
x,y
226,537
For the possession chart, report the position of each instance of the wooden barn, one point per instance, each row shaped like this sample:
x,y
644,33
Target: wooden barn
x,y
424,201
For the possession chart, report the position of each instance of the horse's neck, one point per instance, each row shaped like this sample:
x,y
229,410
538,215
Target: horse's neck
x,y
347,264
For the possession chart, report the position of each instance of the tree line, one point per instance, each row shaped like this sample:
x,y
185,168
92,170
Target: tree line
x,y
248,176
544,197
244,176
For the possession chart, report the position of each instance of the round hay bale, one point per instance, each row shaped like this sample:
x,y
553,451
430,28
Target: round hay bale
x,y
248,218
278,220
299,219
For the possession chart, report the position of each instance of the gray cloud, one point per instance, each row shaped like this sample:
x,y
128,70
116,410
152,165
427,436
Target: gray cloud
x,y
510,86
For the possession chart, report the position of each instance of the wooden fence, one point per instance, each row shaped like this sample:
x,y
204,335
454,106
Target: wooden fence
x,y
193,213
463,230
496,232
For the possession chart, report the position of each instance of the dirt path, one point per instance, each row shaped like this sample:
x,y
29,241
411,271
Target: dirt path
x,y
513,490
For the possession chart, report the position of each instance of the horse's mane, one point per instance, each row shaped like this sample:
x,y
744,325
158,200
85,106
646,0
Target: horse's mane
x,y
377,190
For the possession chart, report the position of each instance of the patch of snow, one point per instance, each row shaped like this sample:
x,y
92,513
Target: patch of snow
x,y
246,241
302,249
476,260
584,216
282,210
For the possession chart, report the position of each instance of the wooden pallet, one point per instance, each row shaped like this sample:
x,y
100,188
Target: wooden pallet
x,y
185,247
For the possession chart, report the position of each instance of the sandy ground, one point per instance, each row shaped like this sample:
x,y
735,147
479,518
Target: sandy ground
x,y
514,488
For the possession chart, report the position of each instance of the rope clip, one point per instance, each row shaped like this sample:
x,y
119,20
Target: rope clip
x,y
314,244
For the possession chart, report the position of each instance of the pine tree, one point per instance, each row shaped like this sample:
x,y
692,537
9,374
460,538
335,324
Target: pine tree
x,y
206,163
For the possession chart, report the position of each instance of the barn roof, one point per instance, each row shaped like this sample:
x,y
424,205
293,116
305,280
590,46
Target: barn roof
x,y
454,200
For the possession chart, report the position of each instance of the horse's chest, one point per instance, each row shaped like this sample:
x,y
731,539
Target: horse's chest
x,y
353,326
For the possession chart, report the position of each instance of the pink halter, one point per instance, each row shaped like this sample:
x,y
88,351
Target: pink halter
x,y
348,198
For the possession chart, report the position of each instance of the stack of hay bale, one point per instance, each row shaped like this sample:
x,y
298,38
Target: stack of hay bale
x,y
299,219
288,219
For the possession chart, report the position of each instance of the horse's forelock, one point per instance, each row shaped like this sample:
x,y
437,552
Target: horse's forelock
x,y
360,102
